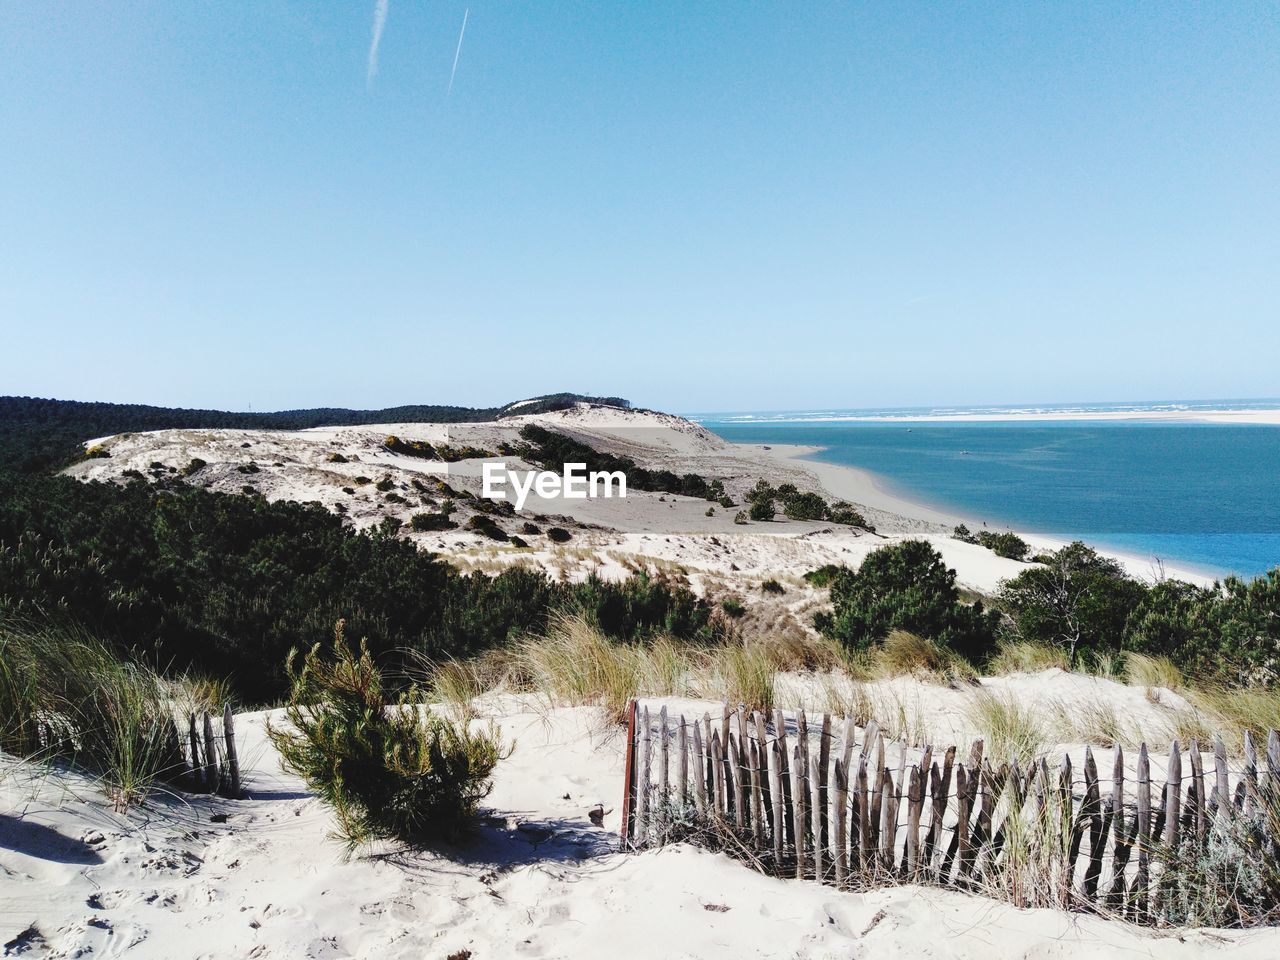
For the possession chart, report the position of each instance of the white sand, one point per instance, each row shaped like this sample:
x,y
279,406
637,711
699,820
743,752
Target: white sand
x,y
539,880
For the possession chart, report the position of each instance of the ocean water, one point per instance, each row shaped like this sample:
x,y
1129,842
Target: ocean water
x,y
1198,495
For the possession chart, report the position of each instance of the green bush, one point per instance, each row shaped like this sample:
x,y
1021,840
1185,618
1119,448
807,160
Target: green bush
x,y
823,576
486,526
1078,600
1007,545
424,522
385,484
559,535
805,506
963,534
389,769
761,510
740,517
725,501
772,586
905,586
733,608
842,512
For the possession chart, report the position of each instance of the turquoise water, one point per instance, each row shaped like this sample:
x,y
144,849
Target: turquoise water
x,y
1200,495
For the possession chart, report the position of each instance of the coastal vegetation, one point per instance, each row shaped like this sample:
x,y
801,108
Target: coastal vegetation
x,y
227,585
388,767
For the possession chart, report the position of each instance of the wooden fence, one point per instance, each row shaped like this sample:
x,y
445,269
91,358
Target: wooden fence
x,y
212,764
816,802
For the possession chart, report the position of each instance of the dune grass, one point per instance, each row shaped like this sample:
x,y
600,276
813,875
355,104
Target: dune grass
x,y
1024,657
66,695
903,653
1011,729
1152,672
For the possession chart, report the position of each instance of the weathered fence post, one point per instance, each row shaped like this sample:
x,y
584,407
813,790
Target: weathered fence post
x,y
1173,795
840,828
797,800
229,746
628,776
213,771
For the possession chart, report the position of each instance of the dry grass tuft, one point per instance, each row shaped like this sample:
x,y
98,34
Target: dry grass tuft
x,y
1011,729
906,654
1141,670
1025,657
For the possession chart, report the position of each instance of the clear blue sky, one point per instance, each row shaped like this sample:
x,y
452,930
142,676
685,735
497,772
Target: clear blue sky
x,y
698,206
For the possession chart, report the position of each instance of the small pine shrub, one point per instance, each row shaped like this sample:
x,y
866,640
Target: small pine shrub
x,y
772,586
363,481
530,529
194,466
389,770
740,517
963,534
486,526
336,458
711,511
248,468
761,510
385,484
733,607
726,501
423,522
518,541
559,535
823,576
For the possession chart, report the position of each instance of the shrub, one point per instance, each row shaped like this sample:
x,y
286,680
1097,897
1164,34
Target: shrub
x,y
805,506
389,771
423,522
740,518
726,501
772,586
194,466
385,484
248,468
711,511
394,497
907,586
518,541
761,510
962,533
362,481
558,535
823,576
336,458
1078,600
486,526
733,607
1007,545
843,513
531,529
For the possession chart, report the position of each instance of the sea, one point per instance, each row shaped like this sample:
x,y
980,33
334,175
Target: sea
x,y
1192,495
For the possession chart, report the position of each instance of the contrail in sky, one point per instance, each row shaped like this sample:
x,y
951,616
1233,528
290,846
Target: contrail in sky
x,y
457,53
379,21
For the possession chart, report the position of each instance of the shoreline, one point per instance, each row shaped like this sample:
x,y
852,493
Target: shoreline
x,y
1259,417
870,489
